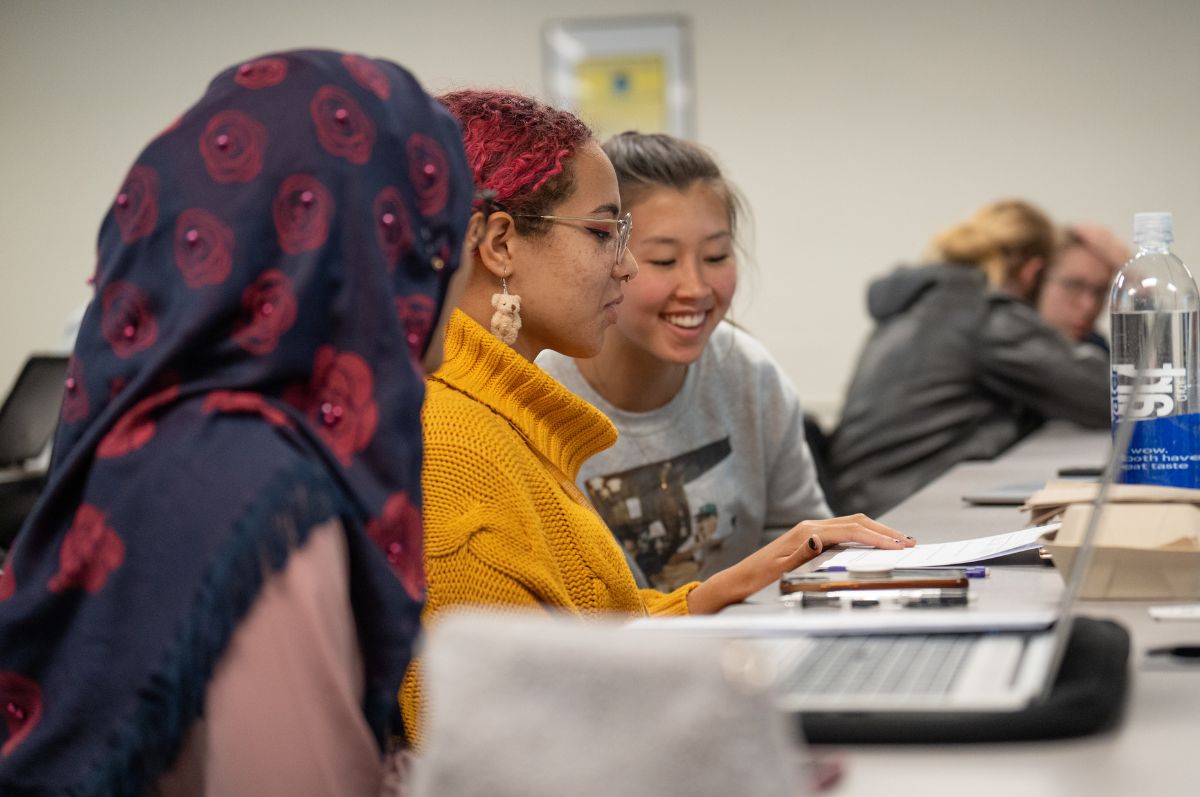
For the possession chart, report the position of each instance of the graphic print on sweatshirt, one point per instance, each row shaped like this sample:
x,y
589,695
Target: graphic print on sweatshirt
x,y
665,514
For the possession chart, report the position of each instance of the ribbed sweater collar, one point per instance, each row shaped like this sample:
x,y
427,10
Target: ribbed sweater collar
x,y
563,427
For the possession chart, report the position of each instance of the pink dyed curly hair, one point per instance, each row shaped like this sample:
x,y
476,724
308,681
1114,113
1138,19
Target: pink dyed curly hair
x,y
519,148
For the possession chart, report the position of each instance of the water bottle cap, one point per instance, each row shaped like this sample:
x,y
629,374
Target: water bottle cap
x,y
1152,229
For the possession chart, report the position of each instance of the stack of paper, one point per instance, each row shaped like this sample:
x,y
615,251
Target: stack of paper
x,y
943,554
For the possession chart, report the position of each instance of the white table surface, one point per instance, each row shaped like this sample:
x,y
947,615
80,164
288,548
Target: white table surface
x,y
1155,750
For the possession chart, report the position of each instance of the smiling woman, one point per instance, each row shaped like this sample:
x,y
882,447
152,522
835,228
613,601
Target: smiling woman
x,y
712,460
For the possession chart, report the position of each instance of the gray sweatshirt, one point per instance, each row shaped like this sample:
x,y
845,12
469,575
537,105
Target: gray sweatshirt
x,y
696,485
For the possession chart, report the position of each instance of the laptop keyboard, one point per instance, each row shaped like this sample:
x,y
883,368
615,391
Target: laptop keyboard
x,y
880,665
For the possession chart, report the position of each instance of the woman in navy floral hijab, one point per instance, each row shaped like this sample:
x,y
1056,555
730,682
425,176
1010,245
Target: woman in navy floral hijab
x,y
269,280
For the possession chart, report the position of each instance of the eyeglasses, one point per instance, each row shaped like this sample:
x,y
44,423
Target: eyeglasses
x,y
624,225
1077,289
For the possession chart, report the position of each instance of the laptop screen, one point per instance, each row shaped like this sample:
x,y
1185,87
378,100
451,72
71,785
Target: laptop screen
x,y
1122,433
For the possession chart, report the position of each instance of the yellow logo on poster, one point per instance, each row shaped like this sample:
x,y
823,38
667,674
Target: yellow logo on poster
x,y
625,92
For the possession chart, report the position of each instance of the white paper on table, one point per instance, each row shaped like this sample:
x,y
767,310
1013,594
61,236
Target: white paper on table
x,y
943,554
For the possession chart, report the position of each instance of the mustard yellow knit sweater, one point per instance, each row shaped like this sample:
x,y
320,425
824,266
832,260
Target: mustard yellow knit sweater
x,y
500,528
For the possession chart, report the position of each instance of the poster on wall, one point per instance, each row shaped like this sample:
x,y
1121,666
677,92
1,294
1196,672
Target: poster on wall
x,y
622,73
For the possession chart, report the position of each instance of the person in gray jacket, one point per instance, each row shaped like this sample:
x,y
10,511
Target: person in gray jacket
x,y
960,366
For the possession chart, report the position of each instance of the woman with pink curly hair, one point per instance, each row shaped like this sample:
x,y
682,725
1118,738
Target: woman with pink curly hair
x,y
505,524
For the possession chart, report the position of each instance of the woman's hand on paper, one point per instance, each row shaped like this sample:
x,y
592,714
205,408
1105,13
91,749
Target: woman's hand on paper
x,y
799,544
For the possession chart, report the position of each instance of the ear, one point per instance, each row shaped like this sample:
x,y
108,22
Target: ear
x,y
1029,275
496,244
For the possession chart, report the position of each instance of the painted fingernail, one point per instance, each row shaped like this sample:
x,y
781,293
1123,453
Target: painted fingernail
x,y
812,543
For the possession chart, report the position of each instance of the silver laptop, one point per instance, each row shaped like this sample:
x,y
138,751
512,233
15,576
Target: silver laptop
x,y
939,671
1004,495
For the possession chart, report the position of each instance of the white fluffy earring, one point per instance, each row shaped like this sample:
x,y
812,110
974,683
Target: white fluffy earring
x,y
506,321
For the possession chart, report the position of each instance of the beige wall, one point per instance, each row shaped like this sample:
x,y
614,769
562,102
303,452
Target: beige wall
x,y
856,129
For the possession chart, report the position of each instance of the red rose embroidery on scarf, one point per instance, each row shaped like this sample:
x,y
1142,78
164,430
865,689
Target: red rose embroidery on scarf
x,y
21,706
136,206
126,320
392,227
8,581
232,146
340,400
239,401
302,210
268,311
368,75
75,406
399,534
261,73
203,248
342,127
429,172
416,314
136,427
90,552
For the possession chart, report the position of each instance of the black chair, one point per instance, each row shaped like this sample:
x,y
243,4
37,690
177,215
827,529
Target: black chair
x,y
17,498
819,445
27,421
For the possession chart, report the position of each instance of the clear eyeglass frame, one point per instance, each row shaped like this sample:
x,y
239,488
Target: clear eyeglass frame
x,y
624,225
1077,289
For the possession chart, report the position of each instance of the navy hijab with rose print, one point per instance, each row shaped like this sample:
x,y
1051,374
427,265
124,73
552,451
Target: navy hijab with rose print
x,y
268,278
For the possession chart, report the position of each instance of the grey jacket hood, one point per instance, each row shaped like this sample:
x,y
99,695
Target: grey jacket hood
x,y
894,294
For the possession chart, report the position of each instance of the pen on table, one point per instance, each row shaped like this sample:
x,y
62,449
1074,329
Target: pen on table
x,y
1183,651
974,571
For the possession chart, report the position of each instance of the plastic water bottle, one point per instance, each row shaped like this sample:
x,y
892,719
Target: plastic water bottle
x,y
1155,309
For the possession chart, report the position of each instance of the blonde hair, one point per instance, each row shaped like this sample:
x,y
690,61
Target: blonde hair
x,y
999,238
